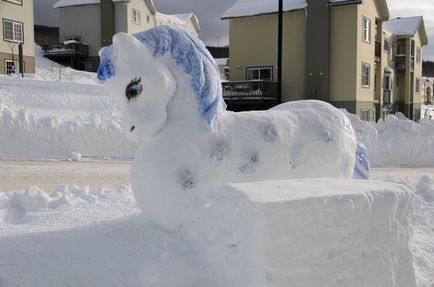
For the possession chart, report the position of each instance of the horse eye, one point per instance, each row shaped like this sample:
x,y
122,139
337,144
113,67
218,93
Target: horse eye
x,y
134,88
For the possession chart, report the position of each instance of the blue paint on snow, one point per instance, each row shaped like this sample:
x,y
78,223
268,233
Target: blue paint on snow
x,y
106,69
361,168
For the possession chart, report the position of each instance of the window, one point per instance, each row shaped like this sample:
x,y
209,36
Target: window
x,y
417,86
366,75
418,53
12,67
12,31
260,73
19,2
366,29
365,115
148,19
387,82
387,45
136,17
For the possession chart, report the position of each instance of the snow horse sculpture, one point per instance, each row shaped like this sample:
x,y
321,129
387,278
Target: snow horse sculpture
x,y
168,88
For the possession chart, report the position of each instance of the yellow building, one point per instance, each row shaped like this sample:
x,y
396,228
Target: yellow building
x,y
92,24
346,52
16,18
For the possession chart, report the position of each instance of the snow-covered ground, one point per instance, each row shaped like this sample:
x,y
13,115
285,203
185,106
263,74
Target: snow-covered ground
x,y
97,236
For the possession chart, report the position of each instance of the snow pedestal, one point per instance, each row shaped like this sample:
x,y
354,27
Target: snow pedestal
x,y
310,232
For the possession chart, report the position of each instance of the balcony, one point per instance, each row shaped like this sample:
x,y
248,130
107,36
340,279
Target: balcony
x,y
250,95
65,50
377,51
400,63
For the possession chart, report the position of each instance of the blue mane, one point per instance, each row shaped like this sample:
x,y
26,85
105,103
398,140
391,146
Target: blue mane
x,y
190,55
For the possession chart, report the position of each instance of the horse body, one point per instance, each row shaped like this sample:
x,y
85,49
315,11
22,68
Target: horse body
x,y
191,146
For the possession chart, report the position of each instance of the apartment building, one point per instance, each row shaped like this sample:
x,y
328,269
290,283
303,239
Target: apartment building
x,y
87,25
16,18
346,52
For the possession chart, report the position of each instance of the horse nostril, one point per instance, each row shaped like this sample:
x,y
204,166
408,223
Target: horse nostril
x,y
132,128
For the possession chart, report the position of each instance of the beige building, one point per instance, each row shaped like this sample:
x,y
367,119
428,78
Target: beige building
x,y
346,52
16,26
92,24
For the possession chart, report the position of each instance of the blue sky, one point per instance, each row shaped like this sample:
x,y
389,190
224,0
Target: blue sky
x,y
215,31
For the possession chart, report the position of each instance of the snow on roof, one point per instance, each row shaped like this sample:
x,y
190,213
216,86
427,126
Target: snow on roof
x,y
180,18
67,3
403,26
257,7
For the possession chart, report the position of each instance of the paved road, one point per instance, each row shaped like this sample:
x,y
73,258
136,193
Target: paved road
x,y
19,174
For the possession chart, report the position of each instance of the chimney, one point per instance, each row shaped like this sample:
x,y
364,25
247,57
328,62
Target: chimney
x,y
317,78
107,22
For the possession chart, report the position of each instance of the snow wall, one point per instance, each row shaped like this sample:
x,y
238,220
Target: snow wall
x,y
42,119
311,232
396,141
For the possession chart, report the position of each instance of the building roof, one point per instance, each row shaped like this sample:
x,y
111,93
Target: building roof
x,y
407,27
183,19
244,8
68,3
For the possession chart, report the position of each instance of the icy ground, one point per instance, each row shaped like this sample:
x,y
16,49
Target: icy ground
x,y
48,174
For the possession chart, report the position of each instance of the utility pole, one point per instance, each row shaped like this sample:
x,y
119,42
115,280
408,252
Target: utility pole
x,y
279,51
21,59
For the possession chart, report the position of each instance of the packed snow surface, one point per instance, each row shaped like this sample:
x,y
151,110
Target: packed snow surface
x,y
169,91
315,232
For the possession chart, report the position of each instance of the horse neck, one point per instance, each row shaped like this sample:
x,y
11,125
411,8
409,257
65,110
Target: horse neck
x,y
183,109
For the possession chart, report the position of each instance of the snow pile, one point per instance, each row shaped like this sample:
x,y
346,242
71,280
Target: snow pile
x,y
386,141
422,241
34,210
422,244
47,70
53,120
316,232
167,86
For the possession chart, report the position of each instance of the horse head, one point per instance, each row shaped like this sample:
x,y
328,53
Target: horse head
x,y
141,73
140,85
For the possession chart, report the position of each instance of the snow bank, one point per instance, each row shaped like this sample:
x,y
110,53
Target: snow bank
x,y
53,119
47,70
316,232
422,241
34,210
388,141
319,232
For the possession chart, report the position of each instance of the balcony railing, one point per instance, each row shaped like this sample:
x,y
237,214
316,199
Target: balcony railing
x,y
377,51
401,63
65,50
246,95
